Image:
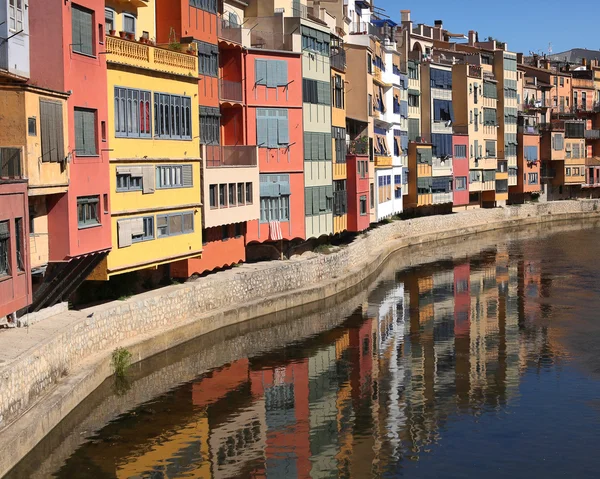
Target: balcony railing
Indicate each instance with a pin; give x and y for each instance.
(269, 40)
(529, 129)
(338, 59)
(229, 31)
(230, 91)
(358, 147)
(382, 161)
(475, 71)
(299, 10)
(362, 28)
(218, 156)
(592, 134)
(141, 55)
(536, 105)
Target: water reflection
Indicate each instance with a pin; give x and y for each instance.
(373, 397)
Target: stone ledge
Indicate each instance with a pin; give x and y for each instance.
(81, 346)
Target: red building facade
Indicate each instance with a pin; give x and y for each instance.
(460, 170)
(277, 164)
(358, 192)
(15, 270)
(67, 54)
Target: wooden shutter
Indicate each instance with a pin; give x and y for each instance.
(315, 200)
(307, 145)
(328, 153)
(272, 132)
(322, 198)
(261, 131)
(283, 135)
(52, 131)
(282, 72)
(321, 139)
(187, 175)
(271, 74)
(315, 146)
(308, 203)
(260, 72)
(89, 132)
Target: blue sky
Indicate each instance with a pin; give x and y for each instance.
(524, 25)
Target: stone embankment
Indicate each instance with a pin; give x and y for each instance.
(48, 368)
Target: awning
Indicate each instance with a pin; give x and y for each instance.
(414, 92)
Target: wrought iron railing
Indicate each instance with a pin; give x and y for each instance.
(229, 31)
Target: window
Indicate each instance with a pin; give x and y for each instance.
(413, 100)
(172, 116)
(87, 211)
(316, 92)
(212, 193)
(174, 176)
(384, 188)
(82, 29)
(562, 81)
(51, 122)
(533, 179)
(222, 196)
(19, 238)
(208, 59)
(372, 195)
(460, 151)
(132, 113)
(441, 79)
(442, 110)
(370, 104)
(109, 20)
(490, 149)
(274, 198)
(272, 130)
(4, 249)
(315, 40)
(210, 126)
(232, 199)
(474, 176)
(138, 229)
(175, 224)
(575, 99)
(249, 198)
(128, 23)
(338, 92)
(575, 172)
(240, 193)
(340, 198)
(105, 201)
(339, 135)
(127, 182)
(460, 183)
(424, 186)
(475, 92)
(10, 162)
(32, 126)
(489, 90)
(413, 72)
(558, 141)
(363, 205)
(206, 5)
(271, 73)
(489, 117)
(568, 171)
(85, 132)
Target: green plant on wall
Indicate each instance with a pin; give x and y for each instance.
(121, 360)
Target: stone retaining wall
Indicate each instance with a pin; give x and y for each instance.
(233, 296)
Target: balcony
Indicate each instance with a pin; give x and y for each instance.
(358, 147)
(592, 134)
(536, 105)
(362, 28)
(383, 161)
(502, 186)
(529, 129)
(217, 156)
(231, 91)
(442, 198)
(229, 32)
(270, 41)
(474, 71)
(441, 167)
(338, 59)
(502, 166)
(141, 55)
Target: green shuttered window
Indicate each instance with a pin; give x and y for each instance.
(82, 29)
(271, 73)
(51, 122)
(272, 128)
(85, 132)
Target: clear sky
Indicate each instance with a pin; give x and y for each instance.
(526, 25)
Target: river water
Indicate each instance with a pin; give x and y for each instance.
(477, 359)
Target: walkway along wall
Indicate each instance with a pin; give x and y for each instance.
(69, 348)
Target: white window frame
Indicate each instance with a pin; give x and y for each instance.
(15, 15)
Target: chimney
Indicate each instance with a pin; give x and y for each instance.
(472, 35)
(438, 31)
(584, 62)
(439, 23)
(520, 58)
(405, 15)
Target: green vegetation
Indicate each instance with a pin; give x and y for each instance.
(121, 360)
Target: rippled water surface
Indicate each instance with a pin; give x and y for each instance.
(485, 364)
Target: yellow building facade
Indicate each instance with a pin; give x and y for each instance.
(33, 138)
(155, 161)
(338, 123)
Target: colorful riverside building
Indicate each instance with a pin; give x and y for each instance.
(230, 158)
(67, 147)
(360, 49)
(390, 113)
(154, 159)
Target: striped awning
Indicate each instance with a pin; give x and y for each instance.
(275, 231)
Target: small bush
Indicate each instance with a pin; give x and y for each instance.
(121, 360)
